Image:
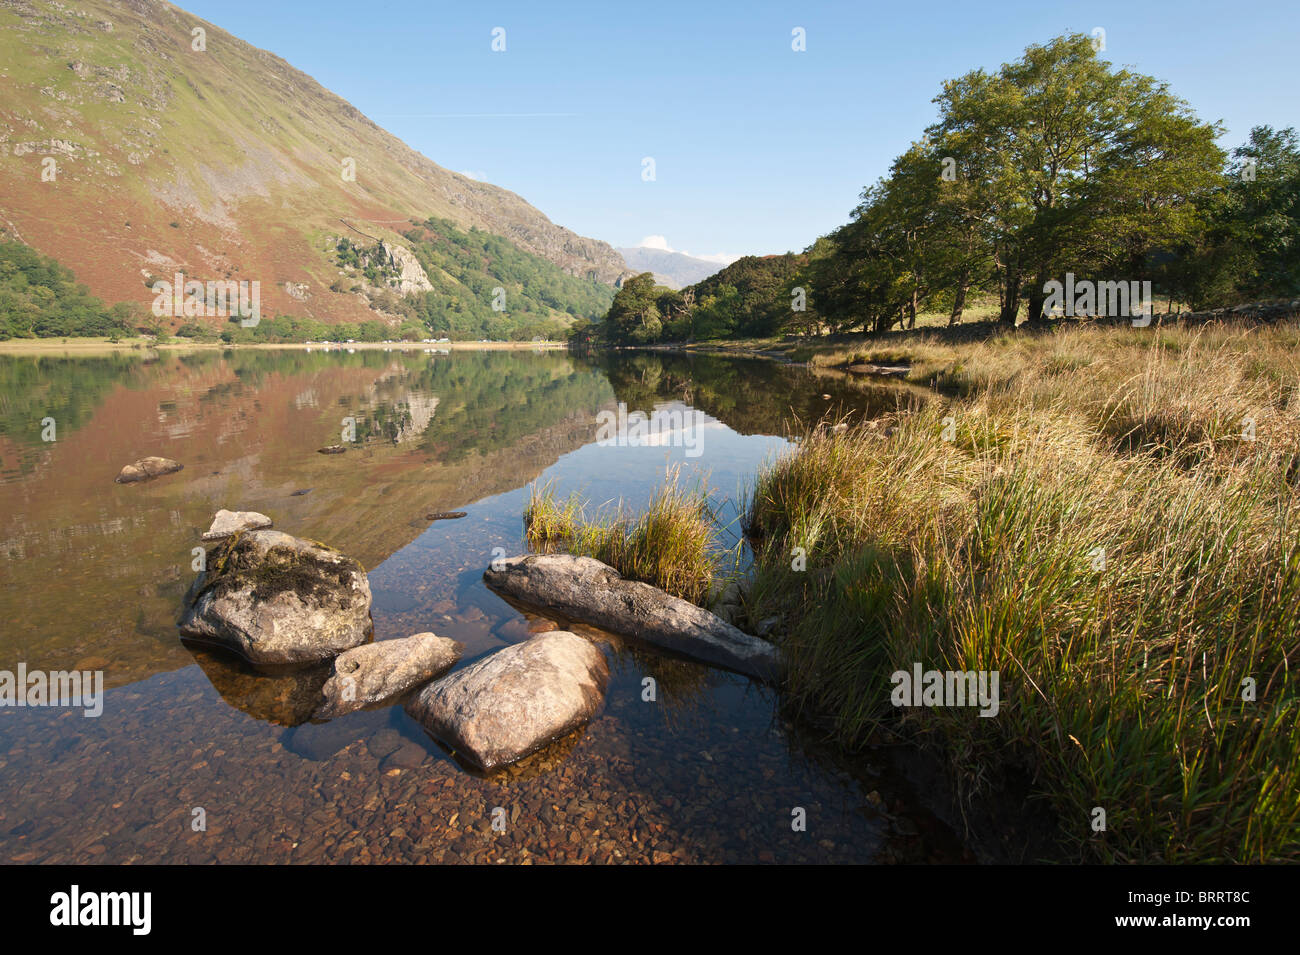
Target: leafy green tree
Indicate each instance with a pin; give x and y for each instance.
(1252, 247)
(41, 298)
(633, 316)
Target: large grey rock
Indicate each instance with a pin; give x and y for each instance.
(274, 599)
(232, 522)
(148, 468)
(411, 275)
(586, 590)
(515, 701)
(371, 674)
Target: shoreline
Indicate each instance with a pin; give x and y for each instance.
(86, 346)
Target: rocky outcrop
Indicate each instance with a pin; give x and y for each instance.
(378, 672)
(148, 468)
(512, 703)
(227, 523)
(586, 590)
(410, 275)
(275, 599)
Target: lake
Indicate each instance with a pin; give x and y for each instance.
(197, 758)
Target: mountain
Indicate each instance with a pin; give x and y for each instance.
(672, 269)
(221, 161)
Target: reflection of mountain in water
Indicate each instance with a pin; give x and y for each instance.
(92, 568)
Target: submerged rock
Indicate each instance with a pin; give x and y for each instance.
(380, 671)
(321, 741)
(887, 371)
(273, 598)
(148, 468)
(232, 522)
(584, 589)
(512, 703)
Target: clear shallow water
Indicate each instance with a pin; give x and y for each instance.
(92, 574)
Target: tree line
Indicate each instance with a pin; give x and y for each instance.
(1056, 163)
(40, 298)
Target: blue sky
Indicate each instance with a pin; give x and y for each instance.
(757, 148)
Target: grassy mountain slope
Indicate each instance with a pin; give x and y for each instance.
(222, 163)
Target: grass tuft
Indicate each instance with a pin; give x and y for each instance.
(671, 544)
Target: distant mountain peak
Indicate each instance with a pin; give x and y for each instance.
(678, 268)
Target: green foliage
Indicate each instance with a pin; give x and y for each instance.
(466, 267)
(752, 297)
(1251, 249)
(39, 298)
(634, 317)
(1055, 163)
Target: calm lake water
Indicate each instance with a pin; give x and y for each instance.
(198, 758)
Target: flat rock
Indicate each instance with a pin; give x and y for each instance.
(586, 590)
(275, 599)
(888, 371)
(515, 701)
(227, 523)
(377, 672)
(147, 469)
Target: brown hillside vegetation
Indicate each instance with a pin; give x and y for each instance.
(224, 162)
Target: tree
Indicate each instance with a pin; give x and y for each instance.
(1081, 166)
(634, 316)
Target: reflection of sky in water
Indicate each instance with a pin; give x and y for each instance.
(460, 436)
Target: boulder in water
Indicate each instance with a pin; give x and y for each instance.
(275, 599)
(371, 674)
(232, 522)
(146, 469)
(515, 701)
(584, 589)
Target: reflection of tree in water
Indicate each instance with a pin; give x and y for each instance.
(69, 390)
(749, 395)
(485, 401)
(387, 422)
(493, 400)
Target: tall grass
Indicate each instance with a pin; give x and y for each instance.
(670, 544)
(1088, 517)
